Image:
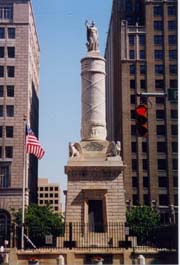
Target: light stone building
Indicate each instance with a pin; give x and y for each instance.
(19, 89)
(49, 194)
(141, 54)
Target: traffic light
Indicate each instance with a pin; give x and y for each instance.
(141, 120)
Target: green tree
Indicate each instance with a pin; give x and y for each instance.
(143, 222)
(39, 222)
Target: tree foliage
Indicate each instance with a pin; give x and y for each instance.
(143, 222)
(39, 222)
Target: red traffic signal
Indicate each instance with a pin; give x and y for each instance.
(141, 120)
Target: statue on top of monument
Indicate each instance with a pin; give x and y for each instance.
(92, 36)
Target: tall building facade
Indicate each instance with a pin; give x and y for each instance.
(49, 194)
(141, 54)
(19, 85)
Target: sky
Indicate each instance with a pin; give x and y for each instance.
(62, 36)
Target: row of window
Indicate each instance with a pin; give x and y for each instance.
(159, 83)
(48, 188)
(8, 71)
(160, 130)
(158, 54)
(46, 195)
(7, 111)
(8, 131)
(163, 199)
(160, 114)
(159, 69)
(161, 164)
(158, 10)
(7, 90)
(161, 147)
(10, 33)
(56, 208)
(158, 40)
(8, 52)
(6, 152)
(162, 182)
(6, 12)
(158, 25)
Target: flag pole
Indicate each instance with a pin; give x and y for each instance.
(24, 183)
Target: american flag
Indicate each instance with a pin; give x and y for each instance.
(32, 144)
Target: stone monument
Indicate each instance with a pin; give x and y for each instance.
(95, 190)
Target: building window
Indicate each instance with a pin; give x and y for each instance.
(142, 54)
(172, 39)
(133, 129)
(10, 91)
(163, 200)
(176, 199)
(41, 189)
(142, 40)
(1, 153)
(131, 39)
(142, 68)
(173, 69)
(144, 147)
(173, 83)
(160, 100)
(161, 147)
(5, 175)
(161, 130)
(46, 189)
(159, 84)
(41, 195)
(131, 54)
(160, 114)
(56, 188)
(158, 25)
(1, 131)
(174, 147)
(51, 195)
(158, 11)
(1, 111)
(175, 182)
(158, 40)
(1, 71)
(46, 195)
(145, 164)
(41, 202)
(1, 91)
(2, 33)
(51, 188)
(171, 10)
(175, 164)
(135, 199)
(56, 201)
(146, 199)
(172, 25)
(163, 182)
(162, 164)
(11, 52)
(134, 182)
(9, 152)
(143, 84)
(10, 71)
(174, 114)
(132, 68)
(172, 55)
(133, 99)
(11, 33)
(133, 115)
(159, 69)
(134, 164)
(132, 84)
(1, 52)
(56, 208)
(10, 111)
(133, 147)
(6, 12)
(145, 182)
(9, 131)
(174, 129)
(56, 195)
(158, 54)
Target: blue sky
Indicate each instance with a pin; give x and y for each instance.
(62, 36)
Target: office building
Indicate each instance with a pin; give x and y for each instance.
(141, 54)
(19, 85)
(49, 194)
